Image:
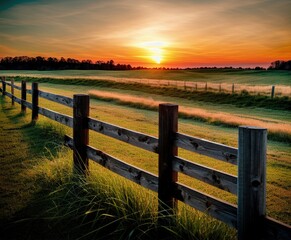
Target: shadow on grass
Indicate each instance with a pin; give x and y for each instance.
(28, 146)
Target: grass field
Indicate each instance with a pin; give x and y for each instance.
(251, 77)
(253, 81)
(41, 199)
(142, 120)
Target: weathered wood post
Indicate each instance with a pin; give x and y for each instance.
(273, 92)
(232, 89)
(12, 91)
(3, 86)
(23, 95)
(168, 126)
(34, 88)
(81, 133)
(206, 87)
(252, 148)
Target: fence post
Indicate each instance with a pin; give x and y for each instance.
(206, 87)
(168, 126)
(3, 86)
(34, 88)
(23, 95)
(252, 149)
(232, 89)
(81, 133)
(12, 91)
(273, 92)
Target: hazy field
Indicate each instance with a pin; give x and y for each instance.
(252, 81)
(279, 153)
(115, 108)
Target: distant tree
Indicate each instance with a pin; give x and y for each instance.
(280, 65)
(52, 63)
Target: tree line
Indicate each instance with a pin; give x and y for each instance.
(280, 65)
(52, 63)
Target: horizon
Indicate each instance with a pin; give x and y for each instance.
(152, 34)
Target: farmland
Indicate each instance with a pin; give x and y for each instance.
(117, 109)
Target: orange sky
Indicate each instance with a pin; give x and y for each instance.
(153, 33)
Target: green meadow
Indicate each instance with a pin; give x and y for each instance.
(37, 186)
(251, 77)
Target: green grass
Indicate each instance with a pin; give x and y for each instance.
(279, 154)
(54, 175)
(243, 100)
(201, 75)
(42, 199)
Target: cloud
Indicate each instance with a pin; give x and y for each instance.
(114, 28)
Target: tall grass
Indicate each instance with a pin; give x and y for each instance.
(243, 99)
(277, 131)
(50, 202)
(105, 206)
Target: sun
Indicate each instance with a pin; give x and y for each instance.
(154, 50)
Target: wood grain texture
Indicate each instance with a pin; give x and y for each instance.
(137, 175)
(211, 176)
(276, 230)
(251, 182)
(216, 208)
(27, 104)
(23, 95)
(58, 117)
(56, 98)
(34, 115)
(134, 138)
(81, 133)
(168, 126)
(207, 148)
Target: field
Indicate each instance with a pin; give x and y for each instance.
(136, 109)
(222, 80)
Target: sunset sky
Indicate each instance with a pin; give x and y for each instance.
(154, 33)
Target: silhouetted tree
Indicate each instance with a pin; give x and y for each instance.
(52, 63)
(280, 65)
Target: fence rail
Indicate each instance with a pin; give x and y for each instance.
(249, 217)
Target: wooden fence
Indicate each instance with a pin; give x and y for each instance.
(249, 217)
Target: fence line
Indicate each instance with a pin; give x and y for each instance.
(249, 217)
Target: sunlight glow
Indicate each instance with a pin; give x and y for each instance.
(155, 50)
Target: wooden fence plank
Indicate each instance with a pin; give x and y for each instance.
(17, 100)
(207, 148)
(137, 175)
(81, 133)
(168, 126)
(34, 115)
(214, 207)
(23, 95)
(8, 83)
(134, 138)
(27, 104)
(8, 95)
(12, 91)
(251, 182)
(214, 177)
(3, 86)
(275, 230)
(57, 98)
(17, 87)
(12, 84)
(58, 117)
